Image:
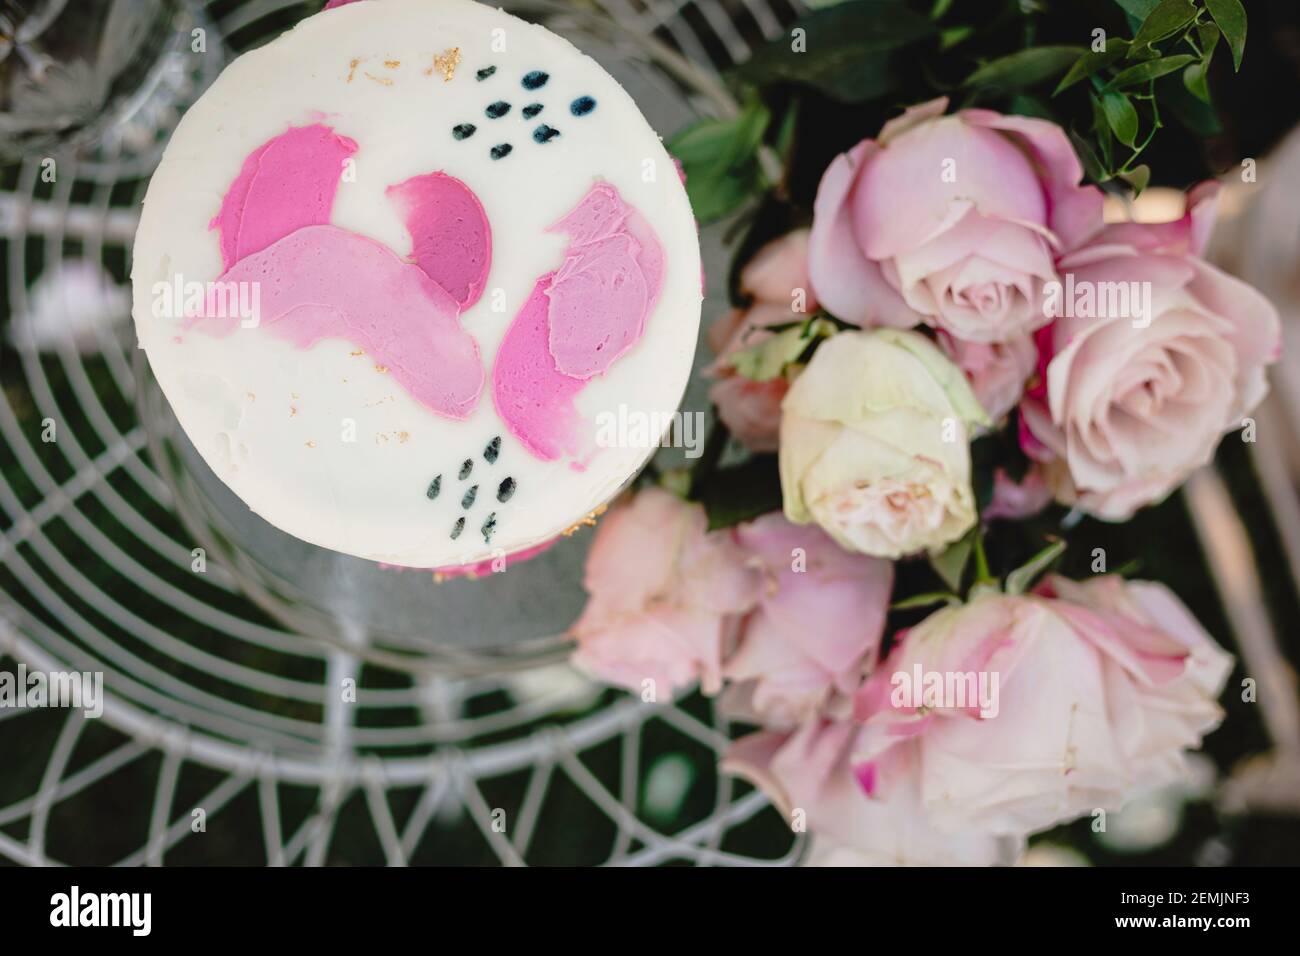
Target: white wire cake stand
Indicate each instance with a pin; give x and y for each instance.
(226, 736)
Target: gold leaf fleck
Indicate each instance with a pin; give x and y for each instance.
(446, 63)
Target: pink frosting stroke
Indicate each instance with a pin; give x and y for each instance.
(607, 286)
(450, 236)
(285, 184)
(317, 281)
(323, 282)
(577, 322)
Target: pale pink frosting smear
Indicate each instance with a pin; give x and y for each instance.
(450, 236)
(323, 282)
(607, 286)
(285, 184)
(577, 322)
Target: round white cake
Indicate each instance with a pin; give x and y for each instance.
(419, 282)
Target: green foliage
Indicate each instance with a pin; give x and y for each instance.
(741, 492)
(1025, 68)
(1171, 36)
(720, 159)
(844, 51)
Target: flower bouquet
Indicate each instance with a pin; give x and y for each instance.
(968, 346)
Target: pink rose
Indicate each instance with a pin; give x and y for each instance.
(1156, 354)
(858, 814)
(662, 588)
(817, 626)
(1047, 706)
(1014, 500)
(776, 280)
(951, 220)
(997, 371)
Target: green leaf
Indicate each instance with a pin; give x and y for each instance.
(1024, 68)
(1101, 130)
(1208, 36)
(1092, 164)
(1230, 17)
(843, 50)
(768, 359)
(1121, 117)
(1164, 21)
(741, 492)
(1090, 62)
(1137, 177)
(719, 159)
(1022, 578)
(1150, 70)
(950, 564)
(925, 600)
(784, 141)
(1194, 80)
(1138, 8)
(1194, 114)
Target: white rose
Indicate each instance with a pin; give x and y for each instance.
(875, 444)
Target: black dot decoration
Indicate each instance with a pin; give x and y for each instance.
(497, 110)
(535, 80)
(484, 73)
(544, 133)
(582, 106)
(501, 151)
(505, 491)
(531, 110)
(463, 131)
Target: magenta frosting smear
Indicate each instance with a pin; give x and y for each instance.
(450, 236)
(284, 184)
(317, 281)
(577, 322)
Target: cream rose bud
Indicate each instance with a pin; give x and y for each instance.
(875, 444)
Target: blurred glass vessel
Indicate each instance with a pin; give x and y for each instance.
(77, 74)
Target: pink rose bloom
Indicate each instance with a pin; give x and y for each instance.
(997, 371)
(662, 588)
(1163, 354)
(752, 410)
(817, 627)
(1052, 704)
(1014, 500)
(950, 220)
(858, 814)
